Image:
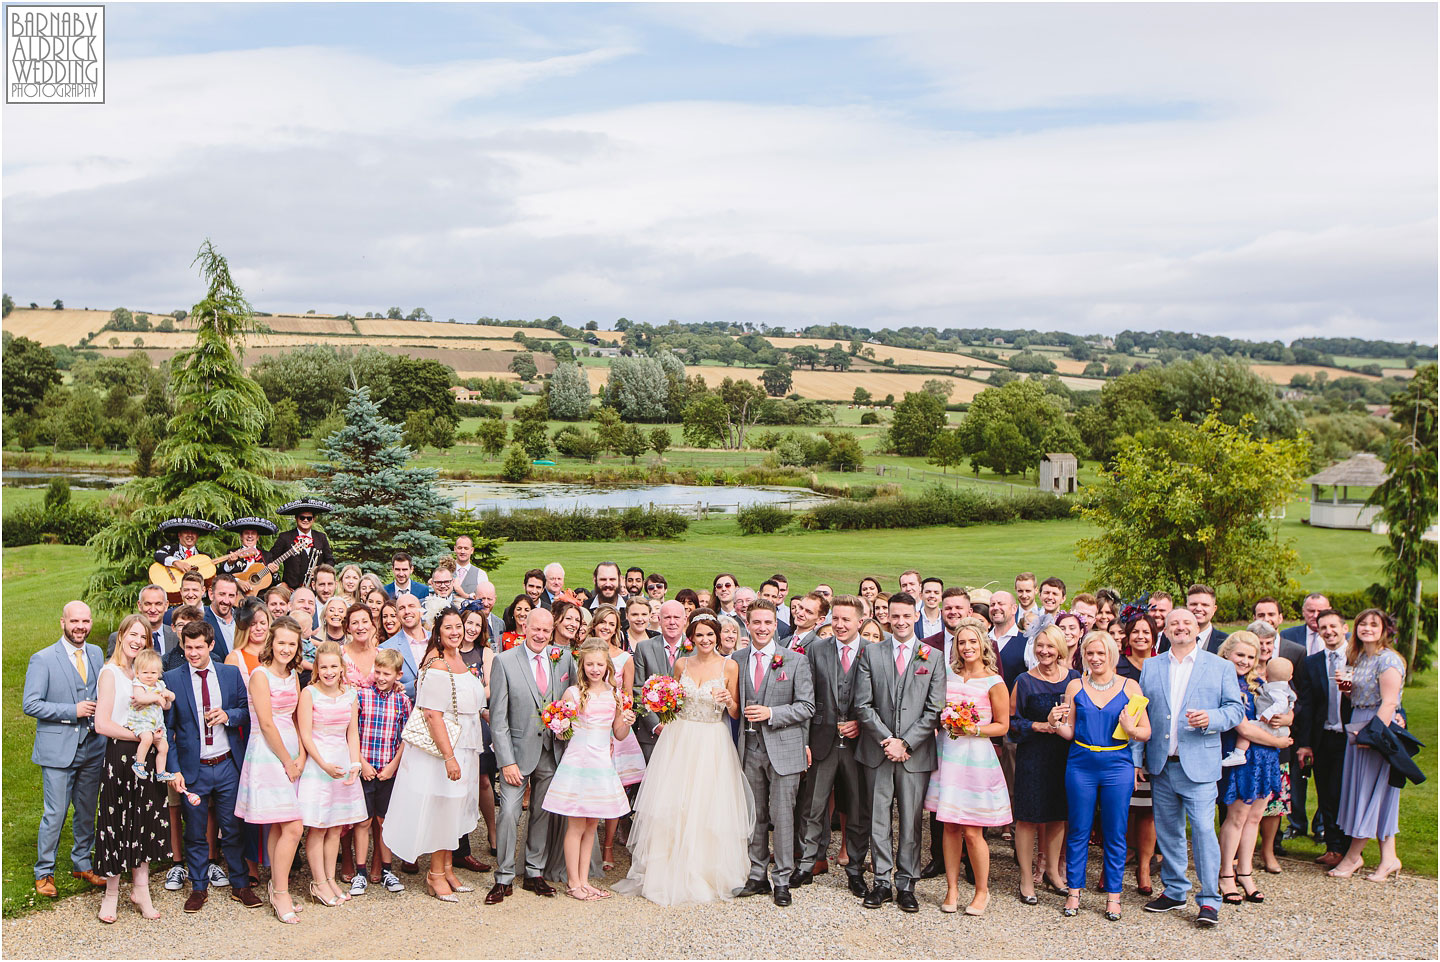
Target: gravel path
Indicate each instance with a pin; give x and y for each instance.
(1305, 915)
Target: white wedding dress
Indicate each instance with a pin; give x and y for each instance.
(694, 812)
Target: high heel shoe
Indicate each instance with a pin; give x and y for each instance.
(1337, 873)
(1383, 872)
(1112, 916)
(456, 887)
(1028, 899)
(1231, 898)
(344, 896)
(1049, 884)
(430, 887)
(1070, 911)
(289, 918)
(1251, 895)
(324, 900)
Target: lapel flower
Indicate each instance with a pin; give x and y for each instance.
(687, 648)
(923, 652)
(798, 649)
(777, 661)
(555, 654)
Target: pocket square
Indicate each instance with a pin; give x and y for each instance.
(565, 678)
(922, 671)
(784, 677)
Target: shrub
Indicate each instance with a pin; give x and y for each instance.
(939, 506)
(516, 466)
(475, 409)
(585, 524)
(65, 523)
(762, 519)
(869, 417)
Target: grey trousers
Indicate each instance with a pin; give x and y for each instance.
(774, 802)
(889, 784)
(536, 840)
(555, 870)
(836, 770)
(76, 786)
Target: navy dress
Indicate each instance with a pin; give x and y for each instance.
(1039, 756)
(1259, 777)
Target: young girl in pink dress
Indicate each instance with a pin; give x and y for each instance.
(586, 786)
(330, 793)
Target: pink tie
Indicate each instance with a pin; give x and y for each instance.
(900, 661)
(540, 676)
(844, 657)
(759, 670)
(670, 655)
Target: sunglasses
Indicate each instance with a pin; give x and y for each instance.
(307, 517)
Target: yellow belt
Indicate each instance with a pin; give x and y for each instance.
(1102, 748)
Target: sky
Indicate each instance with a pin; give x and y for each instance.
(1259, 171)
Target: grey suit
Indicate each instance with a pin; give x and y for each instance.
(169, 641)
(833, 764)
(650, 659)
(470, 582)
(520, 740)
(70, 755)
(802, 640)
(908, 708)
(773, 759)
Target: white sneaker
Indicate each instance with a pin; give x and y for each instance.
(359, 884)
(217, 876)
(391, 881)
(176, 878)
(1233, 759)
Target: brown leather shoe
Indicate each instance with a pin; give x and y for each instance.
(498, 893)
(1329, 859)
(196, 901)
(96, 880)
(821, 867)
(472, 864)
(45, 885)
(246, 896)
(537, 885)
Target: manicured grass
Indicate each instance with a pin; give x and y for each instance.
(13, 498)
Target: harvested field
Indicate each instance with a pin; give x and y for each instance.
(56, 327)
(428, 329)
(307, 324)
(1397, 372)
(900, 355)
(1282, 373)
(467, 362)
(1081, 383)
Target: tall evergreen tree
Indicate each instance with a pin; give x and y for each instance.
(381, 506)
(210, 463)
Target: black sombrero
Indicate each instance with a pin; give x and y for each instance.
(259, 524)
(305, 504)
(194, 524)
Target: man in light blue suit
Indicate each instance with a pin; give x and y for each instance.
(60, 694)
(1194, 696)
(410, 640)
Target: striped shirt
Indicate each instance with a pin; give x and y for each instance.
(382, 719)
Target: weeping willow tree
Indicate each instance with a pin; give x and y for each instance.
(211, 464)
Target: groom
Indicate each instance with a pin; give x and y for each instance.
(900, 692)
(522, 681)
(777, 698)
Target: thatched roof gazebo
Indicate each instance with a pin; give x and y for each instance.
(1350, 483)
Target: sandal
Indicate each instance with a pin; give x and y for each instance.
(1231, 898)
(598, 893)
(1070, 911)
(1251, 894)
(289, 918)
(607, 859)
(1112, 916)
(584, 895)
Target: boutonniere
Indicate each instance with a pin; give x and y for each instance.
(555, 654)
(798, 649)
(923, 653)
(777, 661)
(687, 648)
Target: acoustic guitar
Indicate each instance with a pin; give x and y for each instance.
(257, 576)
(169, 577)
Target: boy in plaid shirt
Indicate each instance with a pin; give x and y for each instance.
(383, 712)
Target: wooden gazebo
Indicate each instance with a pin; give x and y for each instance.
(1349, 483)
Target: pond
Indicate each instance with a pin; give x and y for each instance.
(499, 496)
(41, 479)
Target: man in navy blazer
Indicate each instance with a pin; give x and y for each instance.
(61, 697)
(207, 747)
(220, 616)
(1194, 696)
(1308, 634)
(1322, 712)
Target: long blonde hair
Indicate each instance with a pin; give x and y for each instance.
(329, 648)
(976, 627)
(582, 683)
(1252, 680)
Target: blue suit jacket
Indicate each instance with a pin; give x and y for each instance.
(52, 690)
(417, 589)
(1296, 633)
(1215, 688)
(221, 649)
(408, 670)
(182, 718)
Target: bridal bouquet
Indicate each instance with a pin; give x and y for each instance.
(661, 696)
(960, 718)
(559, 717)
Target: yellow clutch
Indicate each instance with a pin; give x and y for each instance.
(1136, 704)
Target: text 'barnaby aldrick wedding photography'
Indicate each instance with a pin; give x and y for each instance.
(54, 54)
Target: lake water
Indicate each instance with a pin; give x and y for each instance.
(41, 479)
(499, 496)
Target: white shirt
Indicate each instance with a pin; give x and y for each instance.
(1313, 642)
(417, 648)
(1003, 641)
(928, 627)
(1180, 669)
(227, 628)
(220, 741)
(1202, 640)
(841, 647)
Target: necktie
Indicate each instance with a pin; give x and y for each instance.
(759, 670)
(670, 655)
(1332, 717)
(900, 660)
(845, 658)
(155, 637)
(205, 703)
(79, 654)
(541, 676)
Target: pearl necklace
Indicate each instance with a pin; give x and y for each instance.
(1105, 687)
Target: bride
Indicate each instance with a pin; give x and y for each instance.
(694, 812)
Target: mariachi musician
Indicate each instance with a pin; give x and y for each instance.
(314, 546)
(187, 533)
(250, 529)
